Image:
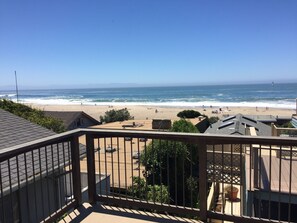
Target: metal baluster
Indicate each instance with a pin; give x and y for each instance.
(175, 172)
(65, 177)
(279, 184)
(1, 193)
(70, 169)
(146, 171)
(125, 161)
(99, 165)
(260, 180)
(112, 172)
(269, 203)
(105, 156)
(53, 178)
(10, 188)
(131, 158)
(27, 189)
(34, 185)
(119, 173)
(290, 185)
(41, 181)
(138, 160)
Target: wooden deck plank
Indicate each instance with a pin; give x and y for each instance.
(282, 181)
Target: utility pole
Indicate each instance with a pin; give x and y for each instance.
(16, 86)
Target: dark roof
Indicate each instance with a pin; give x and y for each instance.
(236, 125)
(263, 118)
(68, 117)
(15, 130)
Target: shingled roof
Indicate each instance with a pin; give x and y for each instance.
(15, 130)
(68, 117)
(236, 125)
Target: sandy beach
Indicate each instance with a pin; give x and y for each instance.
(141, 112)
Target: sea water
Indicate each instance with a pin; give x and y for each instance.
(256, 95)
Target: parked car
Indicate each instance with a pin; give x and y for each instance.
(110, 149)
(136, 155)
(128, 138)
(143, 139)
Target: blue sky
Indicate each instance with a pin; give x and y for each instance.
(54, 43)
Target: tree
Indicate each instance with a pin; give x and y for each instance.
(144, 191)
(183, 126)
(33, 115)
(116, 115)
(188, 114)
(174, 164)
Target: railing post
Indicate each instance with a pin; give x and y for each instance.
(202, 180)
(91, 168)
(76, 170)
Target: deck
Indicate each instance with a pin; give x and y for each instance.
(279, 169)
(274, 172)
(103, 213)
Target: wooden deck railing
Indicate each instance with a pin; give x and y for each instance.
(158, 171)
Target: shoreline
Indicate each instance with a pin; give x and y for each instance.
(141, 112)
(172, 104)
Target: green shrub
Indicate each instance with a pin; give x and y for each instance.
(213, 119)
(116, 115)
(33, 115)
(188, 114)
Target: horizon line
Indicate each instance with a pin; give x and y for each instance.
(135, 85)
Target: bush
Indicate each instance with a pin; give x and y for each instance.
(161, 154)
(33, 115)
(142, 190)
(213, 119)
(183, 126)
(188, 114)
(116, 115)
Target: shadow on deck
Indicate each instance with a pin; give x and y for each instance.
(105, 213)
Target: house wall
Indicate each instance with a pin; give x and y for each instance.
(102, 185)
(31, 203)
(81, 122)
(294, 121)
(161, 124)
(45, 196)
(202, 125)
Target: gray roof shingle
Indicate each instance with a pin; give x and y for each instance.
(235, 125)
(15, 131)
(68, 117)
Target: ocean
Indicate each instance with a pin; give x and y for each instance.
(255, 95)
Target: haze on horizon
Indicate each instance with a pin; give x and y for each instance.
(117, 43)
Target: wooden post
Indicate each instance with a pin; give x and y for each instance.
(202, 180)
(91, 169)
(76, 170)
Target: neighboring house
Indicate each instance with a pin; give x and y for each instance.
(23, 190)
(269, 119)
(238, 125)
(294, 121)
(201, 123)
(261, 192)
(73, 119)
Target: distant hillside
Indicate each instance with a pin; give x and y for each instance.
(33, 115)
